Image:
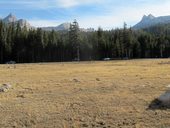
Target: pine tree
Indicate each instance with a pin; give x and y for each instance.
(127, 40)
(2, 41)
(74, 40)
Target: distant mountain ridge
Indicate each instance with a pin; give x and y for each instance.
(65, 27)
(11, 18)
(150, 20)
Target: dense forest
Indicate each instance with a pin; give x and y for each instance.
(35, 45)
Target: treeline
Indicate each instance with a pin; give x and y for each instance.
(36, 45)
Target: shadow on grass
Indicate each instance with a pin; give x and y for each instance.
(157, 105)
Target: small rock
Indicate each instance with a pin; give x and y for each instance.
(143, 85)
(15, 125)
(5, 87)
(97, 79)
(85, 125)
(101, 122)
(76, 80)
(82, 120)
(21, 96)
(165, 98)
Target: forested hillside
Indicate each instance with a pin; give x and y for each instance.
(35, 45)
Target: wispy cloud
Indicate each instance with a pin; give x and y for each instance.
(50, 4)
(72, 3)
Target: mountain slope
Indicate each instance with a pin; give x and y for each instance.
(150, 20)
(61, 27)
(65, 27)
(12, 19)
(160, 29)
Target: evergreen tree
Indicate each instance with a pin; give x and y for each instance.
(74, 40)
(2, 41)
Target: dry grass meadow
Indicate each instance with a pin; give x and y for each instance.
(113, 94)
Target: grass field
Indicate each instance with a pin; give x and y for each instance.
(87, 94)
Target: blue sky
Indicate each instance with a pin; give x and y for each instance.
(89, 13)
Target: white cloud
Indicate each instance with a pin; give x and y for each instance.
(67, 3)
(51, 3)
(72, 3)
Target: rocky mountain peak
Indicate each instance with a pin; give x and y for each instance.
(10, 18)
(149, 17)
(150, 20)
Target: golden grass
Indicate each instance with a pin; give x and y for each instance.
(85, 94)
